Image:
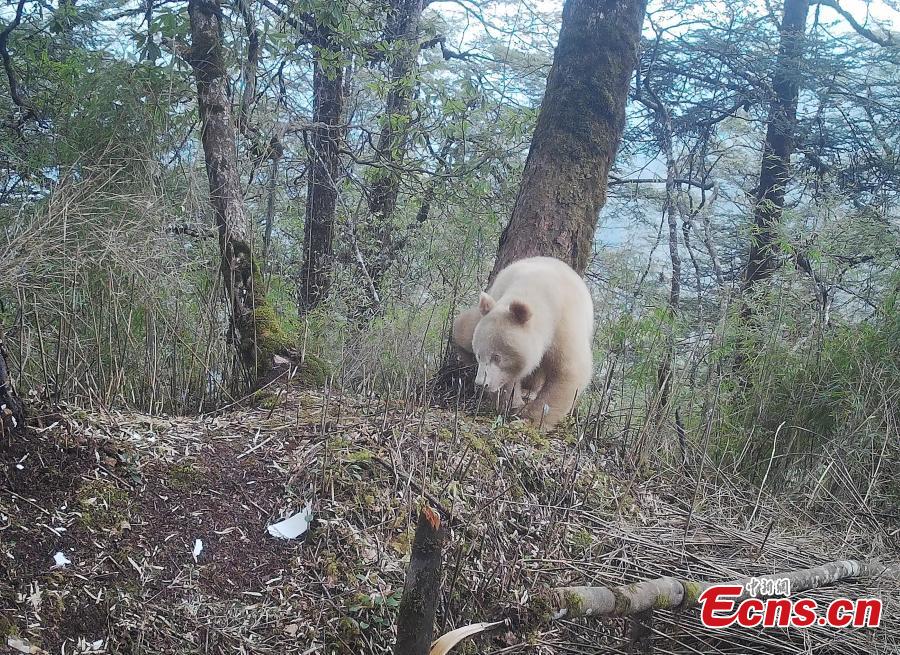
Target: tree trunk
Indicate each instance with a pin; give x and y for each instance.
(403, 33)
(578, 130)
(575, 140)
(12, 412)
(664, 136)
(254, 329)
(665, 370)
(775, 169)
(324, 166)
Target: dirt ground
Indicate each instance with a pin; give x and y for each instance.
(121, 500)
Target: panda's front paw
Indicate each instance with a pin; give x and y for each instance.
(535, 411)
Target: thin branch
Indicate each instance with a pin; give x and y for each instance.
(15, 92)
(616, 181)
(448, 53)
(885, 39)
(180, 48)
(303, 23)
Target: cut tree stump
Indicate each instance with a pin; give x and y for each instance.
(415, 620)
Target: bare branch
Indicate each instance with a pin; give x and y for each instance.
(180, 48)
(616, 181)
(885, 39)
(15, 92)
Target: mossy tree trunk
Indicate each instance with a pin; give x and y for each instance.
(779, 145)
(577, 134)
(578, 130)
(254, 330)
(324, 169)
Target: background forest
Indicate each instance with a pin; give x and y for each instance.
(370, 153)
(409, 129)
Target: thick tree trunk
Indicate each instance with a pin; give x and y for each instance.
(254, 329)
(575, 140)
(403, 33)
(577, 134)
(775, 169)
(324, 168)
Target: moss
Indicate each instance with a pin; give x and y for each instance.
(581, 539)
(623, 602)
(542, 606)
(103, 505)
(185, 475)
(338, 442)
(348, 628)
(524, 432)
(481, 446)
(56, 606)
(363, 455)
(566, 431)
(7, 628)
(574, 603)
(692, 592)
(313, 373)
(402, 543)
(264, 398)
(271, 338)
(330, 565)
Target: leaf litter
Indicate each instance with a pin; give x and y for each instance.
(171, 518)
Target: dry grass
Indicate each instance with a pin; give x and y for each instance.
(108, 305)
(125, 496)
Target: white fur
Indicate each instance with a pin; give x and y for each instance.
(534, 335)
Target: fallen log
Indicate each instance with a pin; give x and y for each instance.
(638, 600)
(671, 593)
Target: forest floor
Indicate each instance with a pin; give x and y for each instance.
(101, 513)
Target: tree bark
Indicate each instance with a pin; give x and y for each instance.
(254, 330)
(577, 134)
(324, 166)
(12, 411)
(578, 130)
(402, 32)
(779, 145)
(664, 135)
(415, 620)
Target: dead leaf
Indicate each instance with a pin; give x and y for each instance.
(445, 644)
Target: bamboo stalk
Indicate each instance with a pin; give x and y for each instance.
(415, 620)
(671, 593)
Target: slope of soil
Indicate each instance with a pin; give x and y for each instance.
(125, 497)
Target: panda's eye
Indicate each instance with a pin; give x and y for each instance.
(495, 358)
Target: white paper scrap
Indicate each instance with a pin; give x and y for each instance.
(293, 526)
(61, 560)
(198, 548)
(22, 646)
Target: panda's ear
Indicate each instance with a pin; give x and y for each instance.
(520, 312)
(485, 303)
